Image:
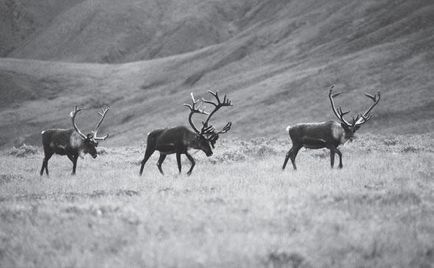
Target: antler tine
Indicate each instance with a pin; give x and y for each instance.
(194, 110)
(217, 105)
(338, 112)
(372, 97)
(226, 128)
(102, 113)
(341, 112)
(366, 116)
(73, 114)
(207, 130)
(354, 121)
(192, 106)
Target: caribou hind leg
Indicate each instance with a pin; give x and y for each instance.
(43, 167)
(148, 154)
(292, 154)
(288, 154)
(193, 163)
(45, 163)
(160, 162)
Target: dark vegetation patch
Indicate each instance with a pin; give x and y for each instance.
(70, 196)
(381, 199)
(286, 260)
(390, 142)
(410, 149)
(6, 178)
(102, 151)
(23, 151)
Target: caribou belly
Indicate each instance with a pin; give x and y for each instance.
(166, 148)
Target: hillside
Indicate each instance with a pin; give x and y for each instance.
(119, 31)
(22, 20)
(275, 59)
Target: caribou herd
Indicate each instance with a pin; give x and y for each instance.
(178, 140)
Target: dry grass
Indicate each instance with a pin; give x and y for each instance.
(238, 209)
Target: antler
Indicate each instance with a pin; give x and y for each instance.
(194, 110)
(338, 112)
(73, 114)
(225, 129)
(366, 116)
(103, 112)
(219, 104)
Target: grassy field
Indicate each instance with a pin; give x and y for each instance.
(238, 209)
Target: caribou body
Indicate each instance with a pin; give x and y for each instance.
(330, 134)
(70, 142)
(179, 140)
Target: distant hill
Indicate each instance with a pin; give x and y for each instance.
(276, 60)
(120, 31)
(21, 21)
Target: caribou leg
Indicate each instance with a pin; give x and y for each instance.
(332, 156)
(286, 158)
(292, 153)
(192, 163)
(148, 154)
(178, 160)
(73, 159)
(340, 157)
(45, 163)
(43, 167)
(160, 162)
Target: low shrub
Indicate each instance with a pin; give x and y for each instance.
(23, 151)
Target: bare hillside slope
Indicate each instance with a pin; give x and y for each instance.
(276, 60)
(119, 31)
(22, 20)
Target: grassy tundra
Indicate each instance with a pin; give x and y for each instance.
(237, 209)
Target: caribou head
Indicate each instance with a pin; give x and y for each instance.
(208, 135)
(356, 122)
(89, 141)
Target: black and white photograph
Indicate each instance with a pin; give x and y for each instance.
(216, 133)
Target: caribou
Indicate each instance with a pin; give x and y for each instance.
(71, 142)
(328, 134)
(178, 140)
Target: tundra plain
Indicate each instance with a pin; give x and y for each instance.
(237, 209)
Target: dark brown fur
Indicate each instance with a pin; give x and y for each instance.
(66, 142)
(177, 140)
(328, 135)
